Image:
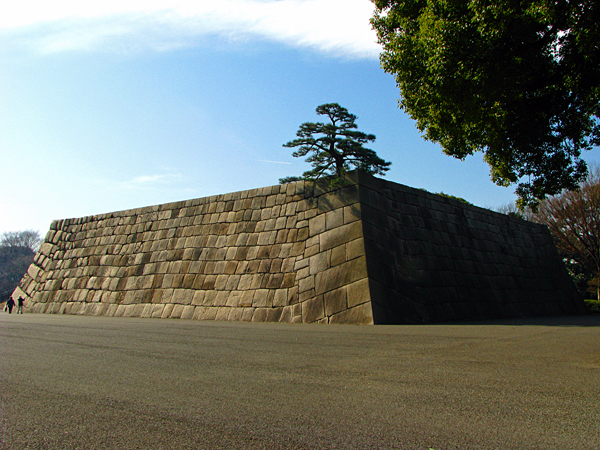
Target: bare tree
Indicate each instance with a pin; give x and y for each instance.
(17, 250)
(510, 209)
(574, 221)
(27, 238)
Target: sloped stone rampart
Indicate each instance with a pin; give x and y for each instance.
(287, 253)
(371, 251)
(432, 259)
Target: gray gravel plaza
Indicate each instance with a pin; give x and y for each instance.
(84, 382)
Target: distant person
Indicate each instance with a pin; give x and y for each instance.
(10, 304)
(20, 305)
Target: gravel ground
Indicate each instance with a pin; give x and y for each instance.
(78, 382)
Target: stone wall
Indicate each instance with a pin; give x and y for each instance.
(289, 253)
(432, 259)
(369, 252)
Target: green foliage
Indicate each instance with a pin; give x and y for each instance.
(454, 197)
(289, 179)
(517, 80)
(335, 147)
(593, 305)
(443, 194)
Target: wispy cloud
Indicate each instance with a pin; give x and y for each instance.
(336, 27)
(150, 181)
(273, 162)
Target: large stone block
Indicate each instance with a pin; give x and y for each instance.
(340, 235)
(335, 301)
(313, 310)
(341, 275)
(358, 315)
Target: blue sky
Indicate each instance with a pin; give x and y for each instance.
(133, 103)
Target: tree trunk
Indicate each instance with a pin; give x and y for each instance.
(339, 160)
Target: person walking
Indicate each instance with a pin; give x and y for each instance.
(20, 305)
(10, 304)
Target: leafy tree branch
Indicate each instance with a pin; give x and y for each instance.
(518, 81)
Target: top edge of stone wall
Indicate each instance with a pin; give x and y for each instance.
(309, 189)
(314, 189)
(427, 199)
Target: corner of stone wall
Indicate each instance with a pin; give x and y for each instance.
(332, 276)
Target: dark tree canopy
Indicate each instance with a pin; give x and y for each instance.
(14, 262)
(17, 249)
(335, 147)
(517, 80)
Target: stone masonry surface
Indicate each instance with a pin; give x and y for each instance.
(288, 253)
(368, 252)
(434, 259)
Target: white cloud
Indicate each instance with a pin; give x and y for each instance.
(273, 162)
(150, 181)
(336, 27)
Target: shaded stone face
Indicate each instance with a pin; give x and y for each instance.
(368, 252)
(433, 259)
